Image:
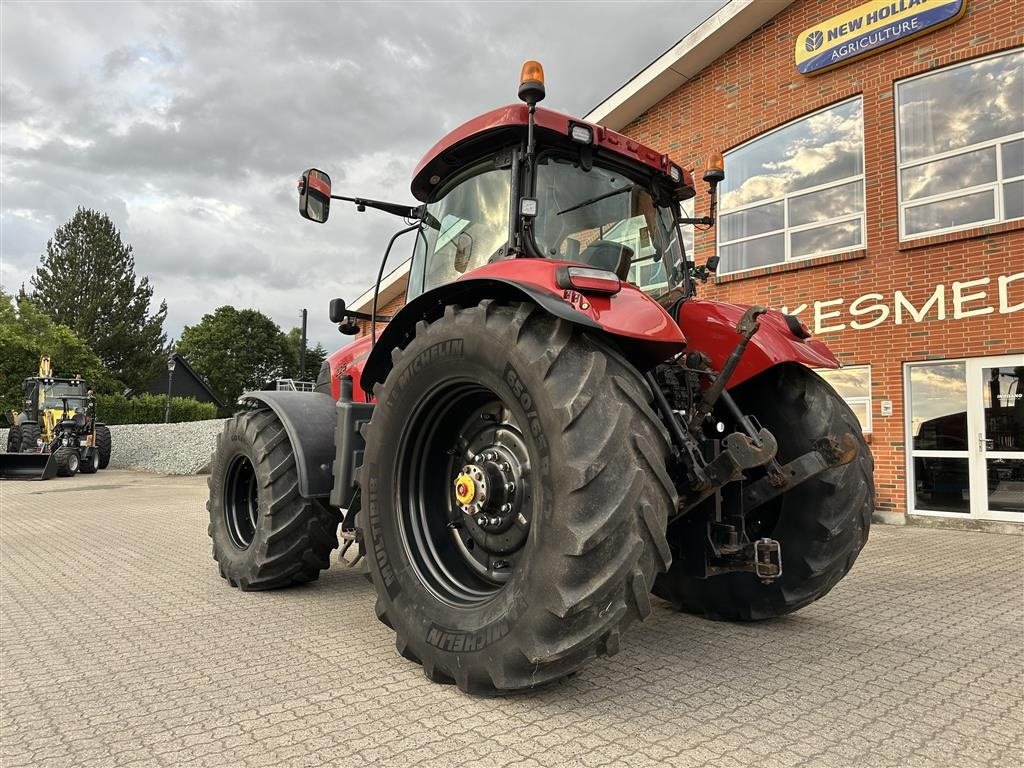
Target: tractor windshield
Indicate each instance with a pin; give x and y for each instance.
(602, 217)
(73, 391)
(464, 228)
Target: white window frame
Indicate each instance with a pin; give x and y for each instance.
(860, 399)
(997, 186)
(786, 230)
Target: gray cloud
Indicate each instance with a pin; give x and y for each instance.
(189, 123)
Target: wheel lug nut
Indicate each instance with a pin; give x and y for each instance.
(506, 508)
(494, 521)
(510, 487)
(481, 521)
(505, 466)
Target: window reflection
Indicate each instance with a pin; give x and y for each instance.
(960, 106)
(959, 128)
(810, 170)
(938, 403)
(1003, 397)
(466, 227)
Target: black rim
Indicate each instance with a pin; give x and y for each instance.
(241, 502)
(464, 493)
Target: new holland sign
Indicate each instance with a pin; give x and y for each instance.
(870, 28)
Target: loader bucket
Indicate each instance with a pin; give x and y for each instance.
(27, 466)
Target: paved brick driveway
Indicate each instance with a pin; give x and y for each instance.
(122, 646)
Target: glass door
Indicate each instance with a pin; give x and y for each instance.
(998, 471)
(966, 438)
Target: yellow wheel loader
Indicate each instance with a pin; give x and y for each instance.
(56, 433)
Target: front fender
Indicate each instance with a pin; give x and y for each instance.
(710, 327)
(643, 330)
(309, 420)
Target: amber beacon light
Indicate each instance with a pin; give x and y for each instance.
(531, 83)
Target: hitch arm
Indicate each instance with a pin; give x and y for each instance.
(828, 453)
(746, 327)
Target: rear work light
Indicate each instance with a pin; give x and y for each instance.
(581, 133)
(587, 280)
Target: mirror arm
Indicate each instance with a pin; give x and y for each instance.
(707, 221)
(396, 209)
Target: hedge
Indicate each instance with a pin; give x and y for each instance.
(150, 409)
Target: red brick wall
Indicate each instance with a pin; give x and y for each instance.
(755, 87)
(387, 310)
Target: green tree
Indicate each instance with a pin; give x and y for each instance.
(315, 356)
(87, 282)
(236, 350)
(26, 334)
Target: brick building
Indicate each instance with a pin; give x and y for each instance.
(874, 186)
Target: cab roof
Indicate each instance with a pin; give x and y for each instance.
(491, 130)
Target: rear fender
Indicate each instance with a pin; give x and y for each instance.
(710, 327)
(309, 419)
(642, 329)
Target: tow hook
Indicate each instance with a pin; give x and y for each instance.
(767, 560)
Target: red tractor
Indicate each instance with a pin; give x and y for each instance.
(553, 427)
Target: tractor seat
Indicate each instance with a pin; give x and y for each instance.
(608, 255)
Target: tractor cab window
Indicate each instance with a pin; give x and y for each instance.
(607, 220)
(465, 228)
(56, 393)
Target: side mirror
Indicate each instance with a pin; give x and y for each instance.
(712, 263)
(315, 195)
(349, 328)
(337, 310)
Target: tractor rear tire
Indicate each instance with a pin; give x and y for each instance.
(91, 463)
(29, 436)
(821, 525)
(14, 439)
(265, 535)
(68, 461)
(545, 561)
(103, 444)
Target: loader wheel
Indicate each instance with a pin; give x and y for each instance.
(514, 498)
(68, 462)
(29, 436)
(821, 525)
(103, 443)
(264, 534)
(90, 463)
(14, 439)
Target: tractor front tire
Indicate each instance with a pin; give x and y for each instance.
(14, 439)
(821, 524)
(103, 444)
(68, 461)
(265, 535)
(514, 498)
(29, 436)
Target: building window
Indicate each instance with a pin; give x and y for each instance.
(960, 146)
(796, 192)
(853, 384)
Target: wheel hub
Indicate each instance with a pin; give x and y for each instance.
(486, 489)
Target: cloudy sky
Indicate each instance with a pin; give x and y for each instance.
(189, 123)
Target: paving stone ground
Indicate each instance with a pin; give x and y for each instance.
(121, 646)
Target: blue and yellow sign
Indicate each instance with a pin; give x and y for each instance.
(870, 28)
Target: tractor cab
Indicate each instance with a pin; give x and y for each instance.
(521, 181)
